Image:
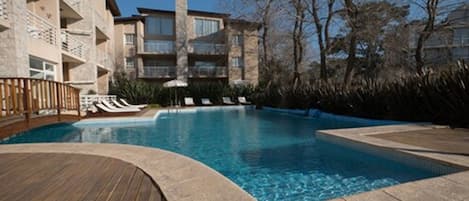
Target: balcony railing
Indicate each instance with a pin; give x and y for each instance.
(159, 72)
(72, 45)
(3, 10)
(39, 28)
(159, 47)
(208, 72)
(207, 48)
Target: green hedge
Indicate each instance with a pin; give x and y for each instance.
(138, 92)
(439, 98)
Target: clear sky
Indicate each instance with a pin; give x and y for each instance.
(128, 7)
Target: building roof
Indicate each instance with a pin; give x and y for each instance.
(113, 7)
(190, 12)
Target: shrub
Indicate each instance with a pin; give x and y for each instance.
(441, 98)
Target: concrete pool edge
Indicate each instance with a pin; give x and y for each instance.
(178, 176)
(446, 187)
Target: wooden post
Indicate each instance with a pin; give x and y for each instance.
(59, 101)
(77, 94)
(26, 101)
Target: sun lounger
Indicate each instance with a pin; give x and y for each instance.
(104, 108)
(188, 101)
(112, 107)
(206, 101)
(120, 106)
(243, 101)
(227, 101)
(129, 105)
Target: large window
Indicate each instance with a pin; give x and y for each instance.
(129, 63)
(461, 53)
(237, 62)
(129, 39)
(159, 26)
(238, 40)
(205, 64)
(40, 69)
(205, 27)
(461, 36)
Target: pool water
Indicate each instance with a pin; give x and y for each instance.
(273, 156)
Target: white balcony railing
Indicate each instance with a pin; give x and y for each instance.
(72, 45)
(87, 101)
(39, 28)
(207, 48)
(3, 10)
(208, 72)
(159, 72)
(159, 46)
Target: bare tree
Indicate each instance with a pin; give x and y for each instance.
(322, 32)
(430, 7)
(298, 36)
(351, 19)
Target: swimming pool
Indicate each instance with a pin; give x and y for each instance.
(273, 156)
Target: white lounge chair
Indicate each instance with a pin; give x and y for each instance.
(206, 101)
(227, 101)
(120, 106)
(129, 105)
(243, 101)
(188, 101)
(102, 107)
(112, 107)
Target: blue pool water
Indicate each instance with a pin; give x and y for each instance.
(272, 156)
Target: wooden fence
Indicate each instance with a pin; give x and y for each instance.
(26, 98)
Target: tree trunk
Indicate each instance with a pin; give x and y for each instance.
(431, 10)
(352, 13)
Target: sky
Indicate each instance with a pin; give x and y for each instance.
(128, 7)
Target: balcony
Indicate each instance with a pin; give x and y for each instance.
(71, 9)
(159, 72)
(73, 47)
(104, 59)
(102, 26)
(208, 72)
(41, 29)
(3, 14)
(159, 47)
(207, 49)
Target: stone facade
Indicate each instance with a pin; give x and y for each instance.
(179, 56)
(76, 37)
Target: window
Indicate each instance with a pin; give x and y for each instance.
(461, 53)
(461, 36)
(159, 26)
(40, 69)
(129, 63)
(129, 39)
(204, 27)
(238, 40)
(237, 62)
(205, 64)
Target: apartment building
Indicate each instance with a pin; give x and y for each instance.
(69, 41)
(449, 44)
(195, 46)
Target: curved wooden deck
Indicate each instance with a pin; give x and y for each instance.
(57, 176)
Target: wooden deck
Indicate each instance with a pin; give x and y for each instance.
(53, 176)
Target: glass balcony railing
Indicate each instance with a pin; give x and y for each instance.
(208, 71)
(159, 47)
(159, 72)
(207, 48)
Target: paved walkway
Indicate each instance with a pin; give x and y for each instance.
(426, 146)
(54, 176)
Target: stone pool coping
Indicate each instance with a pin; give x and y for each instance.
(179, 177)
(447, 187)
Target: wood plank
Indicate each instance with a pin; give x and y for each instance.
(112, 184)
(133, 189)
(121, 187)
(145, 189)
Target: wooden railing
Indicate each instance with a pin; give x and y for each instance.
(25, 97)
